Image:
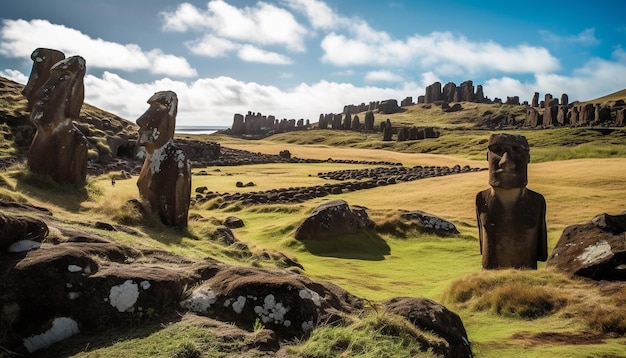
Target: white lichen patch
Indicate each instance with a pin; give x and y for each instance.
(62, 328)
(307, 326)
(73, 295)
(74, 268)
(145, 285)
(271, 311)
(200, 300)
(23, 245)
(597, 253)
(307, 294)
(181, 159)
(124, 296)
(238, 304)
(157, 158)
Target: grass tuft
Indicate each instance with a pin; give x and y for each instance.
(376, 335)
(510, 293)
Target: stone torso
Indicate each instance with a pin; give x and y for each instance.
(165, 182)
(60, 153)
(512, 230)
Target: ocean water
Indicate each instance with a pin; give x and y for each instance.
(199, 129)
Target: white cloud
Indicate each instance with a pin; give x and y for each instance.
(438, 49)
(585, 38)
(250, 53)
(263, 24)
(19, 38)
(15, 76)
(383, 76)
(318, 13)
(214, 101)
(212, 46)
(170, 65)
(598, 77)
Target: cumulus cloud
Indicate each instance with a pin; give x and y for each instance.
(437, 49)
(251, 53)
(18, 39)
(598, 77)
(212, 46)
(263, 24)
(14, 75)
(318, 13)
(214, 101)
(383, 76)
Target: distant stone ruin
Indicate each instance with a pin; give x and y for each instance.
(451, 93)
(551, 113)
(257, 124)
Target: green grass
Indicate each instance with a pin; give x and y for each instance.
(376, 335)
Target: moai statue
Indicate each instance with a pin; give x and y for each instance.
(165, 178)
(511, 218)
(43, 60)
(59, 149)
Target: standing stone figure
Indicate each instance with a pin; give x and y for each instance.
(43, 60)
(511, 218)
(59, 149)
(165, 178)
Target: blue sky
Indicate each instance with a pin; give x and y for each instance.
(299, 58)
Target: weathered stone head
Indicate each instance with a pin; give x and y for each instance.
(511, 218)
(59, 100)
(157, 124)
(59, 149)
(508, 156)
(165, 178)
(43, 60)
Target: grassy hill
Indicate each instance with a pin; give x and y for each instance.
(580, 172)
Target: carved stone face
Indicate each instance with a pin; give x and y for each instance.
(43, 60)
(157, 124)
(508, 158)
(62, 96)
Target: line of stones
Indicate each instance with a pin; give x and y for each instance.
(349, 180)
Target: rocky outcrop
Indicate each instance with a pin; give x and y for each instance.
(86, 282)
(595, 249)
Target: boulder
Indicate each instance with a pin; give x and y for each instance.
(21, 232)
(430, 316)
(595, 249)
(233, 222)
(331, 219)
(430, 222)
(287, 303)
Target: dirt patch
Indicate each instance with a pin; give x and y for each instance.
(561, 338)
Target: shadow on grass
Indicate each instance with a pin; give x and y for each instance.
(44, 188)
(107, 336)
(365, 245)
